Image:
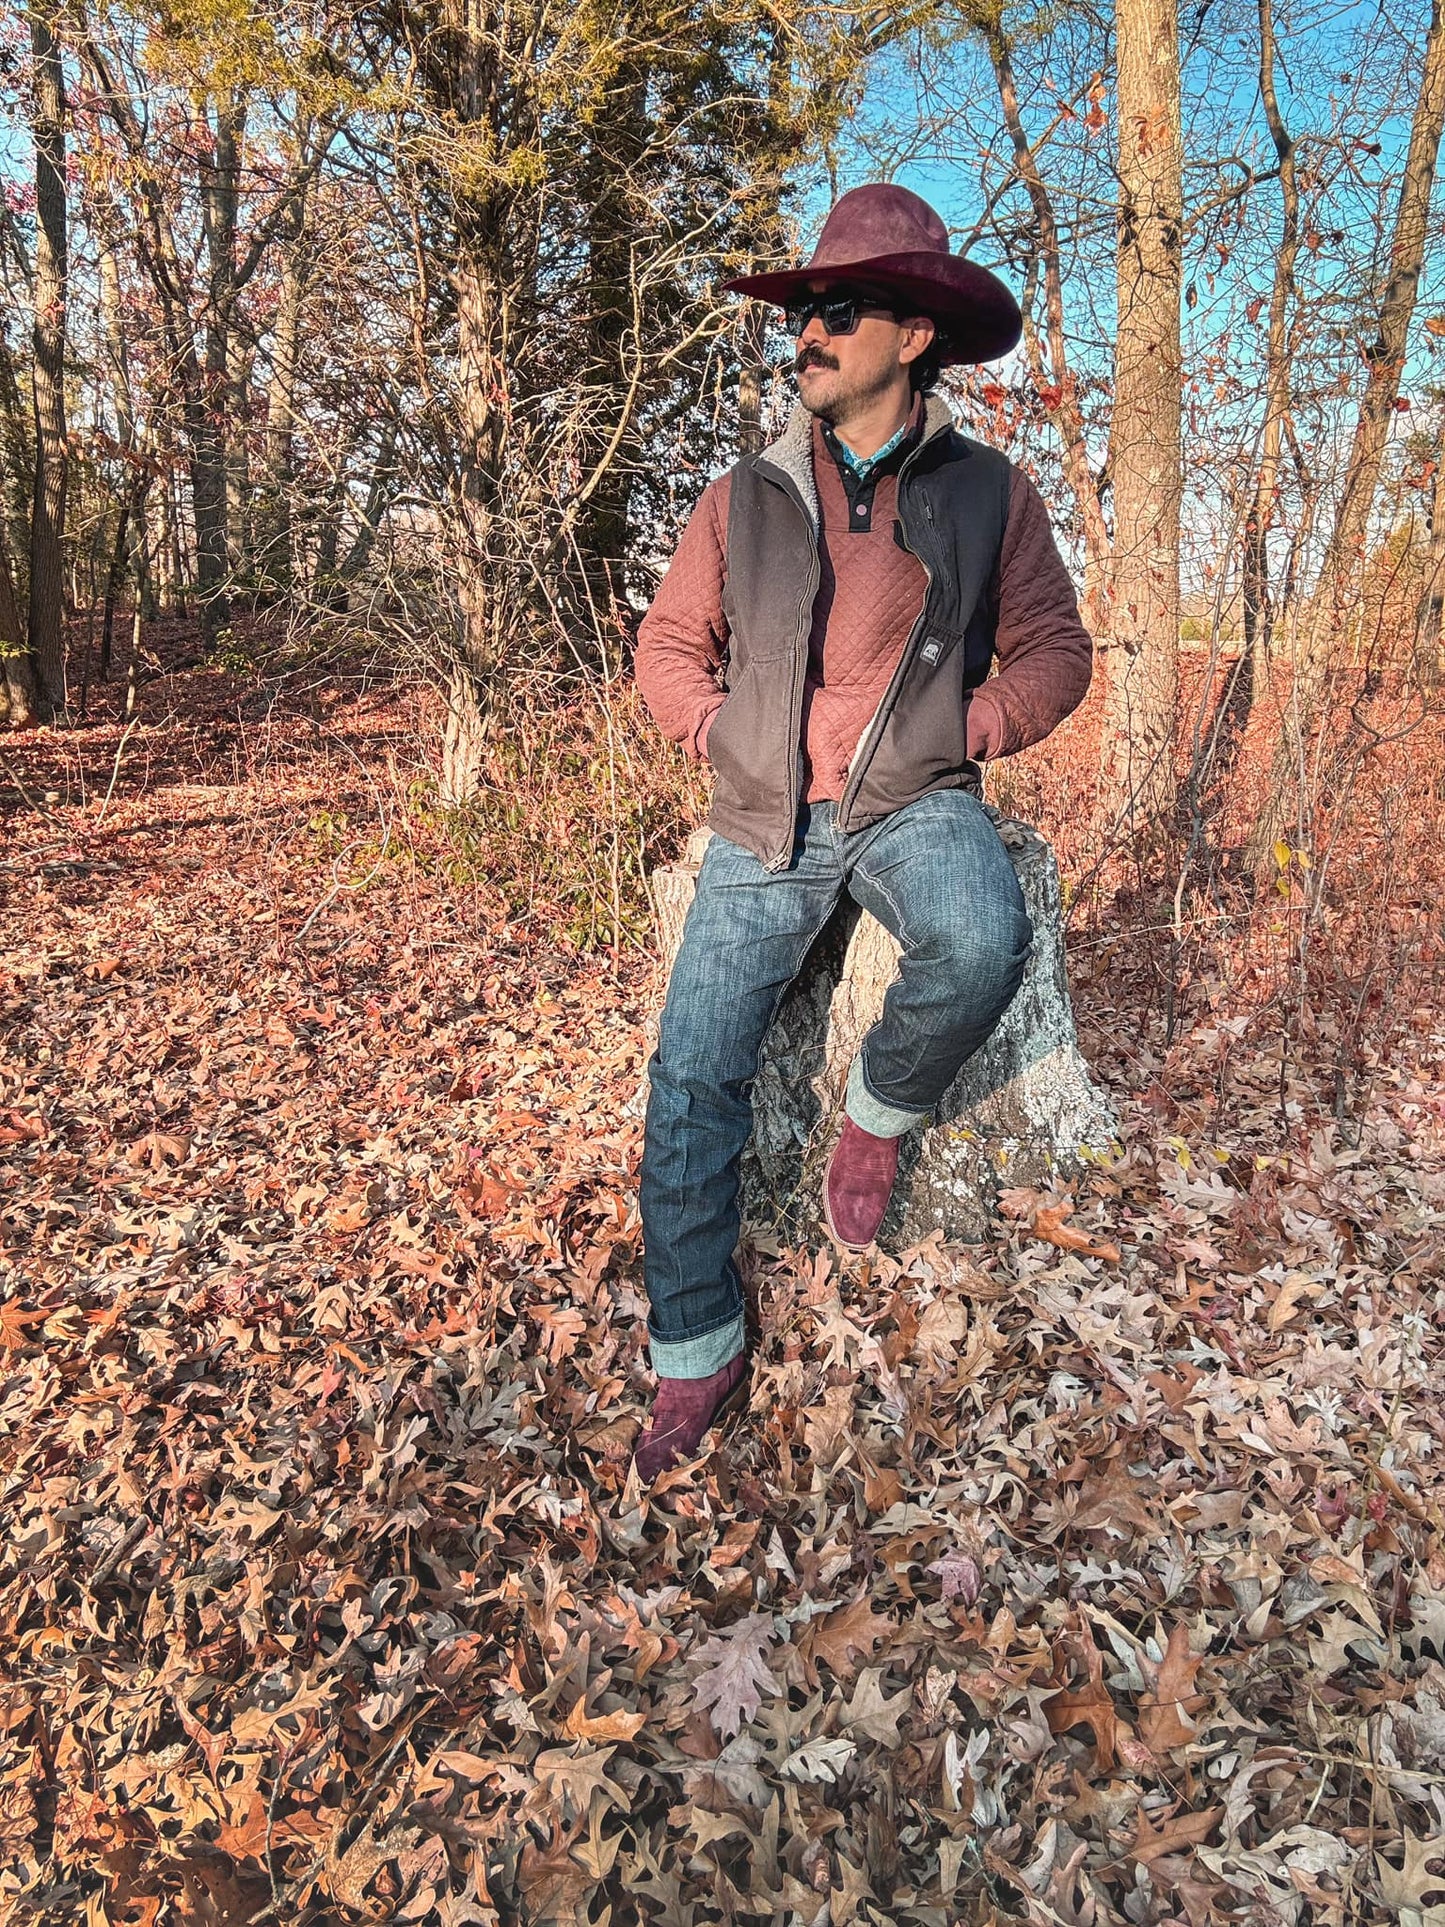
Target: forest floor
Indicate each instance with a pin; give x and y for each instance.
(1039, 1583)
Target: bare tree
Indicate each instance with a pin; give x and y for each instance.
(1145, 441)
(1054, 376)
(46, 625)
(129, 542)
(1432, 595)
(275, 532)
(556, 325)
(1337, 593)
(17, 682)
(200, 355)
(1258, 609)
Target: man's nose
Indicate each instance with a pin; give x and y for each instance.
(815, 331)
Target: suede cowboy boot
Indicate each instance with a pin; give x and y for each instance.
(682, 1411)
(858, 1185)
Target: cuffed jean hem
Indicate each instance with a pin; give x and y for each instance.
(698, 1357)
(870, 1113)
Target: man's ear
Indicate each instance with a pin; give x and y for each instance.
(918, 333)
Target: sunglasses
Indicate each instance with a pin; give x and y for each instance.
(839, 313)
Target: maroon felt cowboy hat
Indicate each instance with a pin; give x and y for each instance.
(892, 239)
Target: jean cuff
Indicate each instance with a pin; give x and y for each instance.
(870, 1113)
(698, 1357)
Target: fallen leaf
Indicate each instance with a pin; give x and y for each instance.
(1048, 1224)
(1184, 1830)
(735, 1673)
(1165, 1708)
(844, 1637)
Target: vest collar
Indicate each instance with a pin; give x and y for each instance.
(792, 453)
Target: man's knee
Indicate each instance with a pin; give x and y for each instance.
(978, 952)
(706, 1061)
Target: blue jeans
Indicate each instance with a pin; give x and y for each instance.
(937, 876)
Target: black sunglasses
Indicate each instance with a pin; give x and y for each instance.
(840, 313)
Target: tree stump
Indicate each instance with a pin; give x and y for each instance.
(1023, 1110)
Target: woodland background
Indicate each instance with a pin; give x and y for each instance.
(359, 366)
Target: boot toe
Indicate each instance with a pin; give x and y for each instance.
(683, 1412)
(858, 1185)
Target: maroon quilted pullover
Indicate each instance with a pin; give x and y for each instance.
(870, 592)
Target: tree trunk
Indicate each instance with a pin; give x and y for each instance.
(1057, 387)
(132, 516)
(482, 574)
(18, 702)
(1258, 608)
(608, 189)
(130, 524)
(276, 540)
(1426, 666)
(1146, 431)
(379, 495)
(1021, 1111)
(240, 545)
(208, 386)
(1322, 656)
(170, 552)
(47, 527)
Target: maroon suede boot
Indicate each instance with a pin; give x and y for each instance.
(682, 1411)
(858, 1185)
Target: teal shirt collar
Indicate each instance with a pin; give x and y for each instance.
(864, 465)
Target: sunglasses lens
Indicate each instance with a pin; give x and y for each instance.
(840, 316)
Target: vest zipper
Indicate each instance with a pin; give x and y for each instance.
(868, 741)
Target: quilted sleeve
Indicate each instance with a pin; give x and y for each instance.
(1044, 654)
(682, 640)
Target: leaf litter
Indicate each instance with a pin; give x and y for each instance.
(1091, 1575)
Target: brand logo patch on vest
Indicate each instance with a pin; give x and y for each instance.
(931, 651)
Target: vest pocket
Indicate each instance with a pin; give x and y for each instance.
(727, 715)
(925, 739)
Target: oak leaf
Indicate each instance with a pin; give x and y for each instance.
(578, 1775)
(1183, 1830)
(837, 1636)
(604, 1726)
(1164, 1711)
(1404, 1889)
(734, 1673)
(872, 1712)
(1049, 1225)
(820, 1759)
(959, 1576)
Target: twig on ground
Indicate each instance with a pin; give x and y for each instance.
(115, 770)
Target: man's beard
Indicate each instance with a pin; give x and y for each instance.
(842, 406)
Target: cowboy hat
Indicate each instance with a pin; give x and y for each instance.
(891, 239)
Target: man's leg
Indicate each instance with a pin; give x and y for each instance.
(937, 876)
(745, 939)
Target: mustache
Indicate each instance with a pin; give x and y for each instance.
(813, 357)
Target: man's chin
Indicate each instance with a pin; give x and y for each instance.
(819, 396)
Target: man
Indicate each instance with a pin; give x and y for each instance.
(851, 586)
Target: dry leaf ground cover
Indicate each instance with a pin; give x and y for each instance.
(1091, 1575)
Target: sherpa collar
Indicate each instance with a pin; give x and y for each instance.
(792, 453)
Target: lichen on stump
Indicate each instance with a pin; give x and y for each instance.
(1023, 1110)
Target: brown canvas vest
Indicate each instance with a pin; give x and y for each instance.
(952, 508)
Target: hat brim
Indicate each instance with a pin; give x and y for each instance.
(972, 307)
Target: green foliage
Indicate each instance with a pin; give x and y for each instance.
(566, 823)
(233, 654)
